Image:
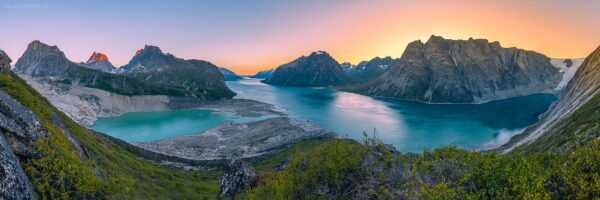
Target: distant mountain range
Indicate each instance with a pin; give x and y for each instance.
(317, 69)
(263, 74)
(228, 75)
(462, 71)
(201, 78)
(150, 72)
(48, 62)
(369, 70)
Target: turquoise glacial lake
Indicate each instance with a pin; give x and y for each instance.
(408, 125)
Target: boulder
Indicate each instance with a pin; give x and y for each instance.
(4, 62)
(13, 181)
(20, 127)
(238, 177)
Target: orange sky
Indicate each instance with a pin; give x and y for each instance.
(384, 29)
(248, 36)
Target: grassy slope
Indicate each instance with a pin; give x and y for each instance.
(60, 173)
(576, 130)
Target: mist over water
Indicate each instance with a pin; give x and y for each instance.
(408, 125)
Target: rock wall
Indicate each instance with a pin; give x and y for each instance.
(584, 86)
(463, 71)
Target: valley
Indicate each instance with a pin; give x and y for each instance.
(440, 120)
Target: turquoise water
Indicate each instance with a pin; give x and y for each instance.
(408, 125)
(149, 126)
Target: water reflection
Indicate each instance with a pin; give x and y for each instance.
(410, 126)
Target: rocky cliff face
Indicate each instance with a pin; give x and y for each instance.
(18, 129)
(14, 183)
(368, 70)
(238, 176)
(202, 78)
(228, 75)
(4, 62)
(573, 120)
(100, 62)
(48, 63)
(459, 71)
(317, 69)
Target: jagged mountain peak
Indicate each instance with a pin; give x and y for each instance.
(99, 61)
(37, 45)
(149, 49)
(463, 71)
(97, 56)
(319, 52)
(318, 69)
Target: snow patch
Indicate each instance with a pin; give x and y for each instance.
(567, 72)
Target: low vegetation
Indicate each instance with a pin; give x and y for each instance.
(110, 173)
(344, 169)
(332, 169)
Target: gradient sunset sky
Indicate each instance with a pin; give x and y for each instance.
(250, 35)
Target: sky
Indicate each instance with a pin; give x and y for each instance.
(246, 36)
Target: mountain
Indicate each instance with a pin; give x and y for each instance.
(263, 74)
(100, 62)
(463, 71)
(573, 120)
(42, 61)
(317, 69)
(228, 75)
(201, 78)
(346, 66)
(368, 70)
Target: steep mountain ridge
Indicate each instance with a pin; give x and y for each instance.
(572, 121)
(462, 71)
(315, 70)
(202, 78)
(47, 63)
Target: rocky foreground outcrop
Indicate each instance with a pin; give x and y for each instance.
(14, 183)
(463, 71)
(4, 62)
(237, 177)
(240, 140)
(21, 128)
(316, 70)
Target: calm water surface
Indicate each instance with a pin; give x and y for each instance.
(409, 125)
